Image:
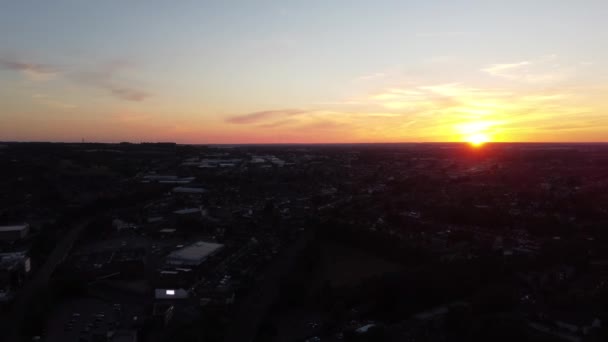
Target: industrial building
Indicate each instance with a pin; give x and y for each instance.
(14, 233)
(193, 255)
(14, 267)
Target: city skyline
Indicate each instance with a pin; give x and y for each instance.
(306, 72)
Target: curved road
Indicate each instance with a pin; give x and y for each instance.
(38, 282)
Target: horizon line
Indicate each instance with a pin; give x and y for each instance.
(300, 143)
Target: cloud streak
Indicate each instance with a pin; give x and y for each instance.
(436, 112)
(263, 116)
(105, 77)
(33, 71)
(542, 70)
(128, 94)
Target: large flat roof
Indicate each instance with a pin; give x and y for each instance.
(193, 254)
(14, 228)
(189, 190)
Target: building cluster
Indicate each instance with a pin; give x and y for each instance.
(395, 242)
(15, 262)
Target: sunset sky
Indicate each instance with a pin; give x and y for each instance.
(303, 71)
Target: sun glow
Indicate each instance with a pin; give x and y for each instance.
(478, 139)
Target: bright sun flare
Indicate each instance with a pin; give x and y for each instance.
(477, 140)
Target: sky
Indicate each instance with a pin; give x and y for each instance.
(309, 71)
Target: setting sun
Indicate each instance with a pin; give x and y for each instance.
(477, 140)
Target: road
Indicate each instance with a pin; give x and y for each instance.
(40, 280)
(253, 310)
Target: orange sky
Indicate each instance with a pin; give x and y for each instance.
(304, 72)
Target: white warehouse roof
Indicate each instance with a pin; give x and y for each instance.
(15, 228)
(193, 255)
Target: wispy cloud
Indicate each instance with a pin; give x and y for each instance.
(421, 97)
(33, 71)
(433, 112)
(279, 123)
(106, 76)
(505, 70)
(574, 126)
(126, 93)
(455, 111)
(542, 70)
(264, 116)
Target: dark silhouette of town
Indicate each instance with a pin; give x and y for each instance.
(340, 242)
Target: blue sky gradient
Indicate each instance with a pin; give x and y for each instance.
(327, 71)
